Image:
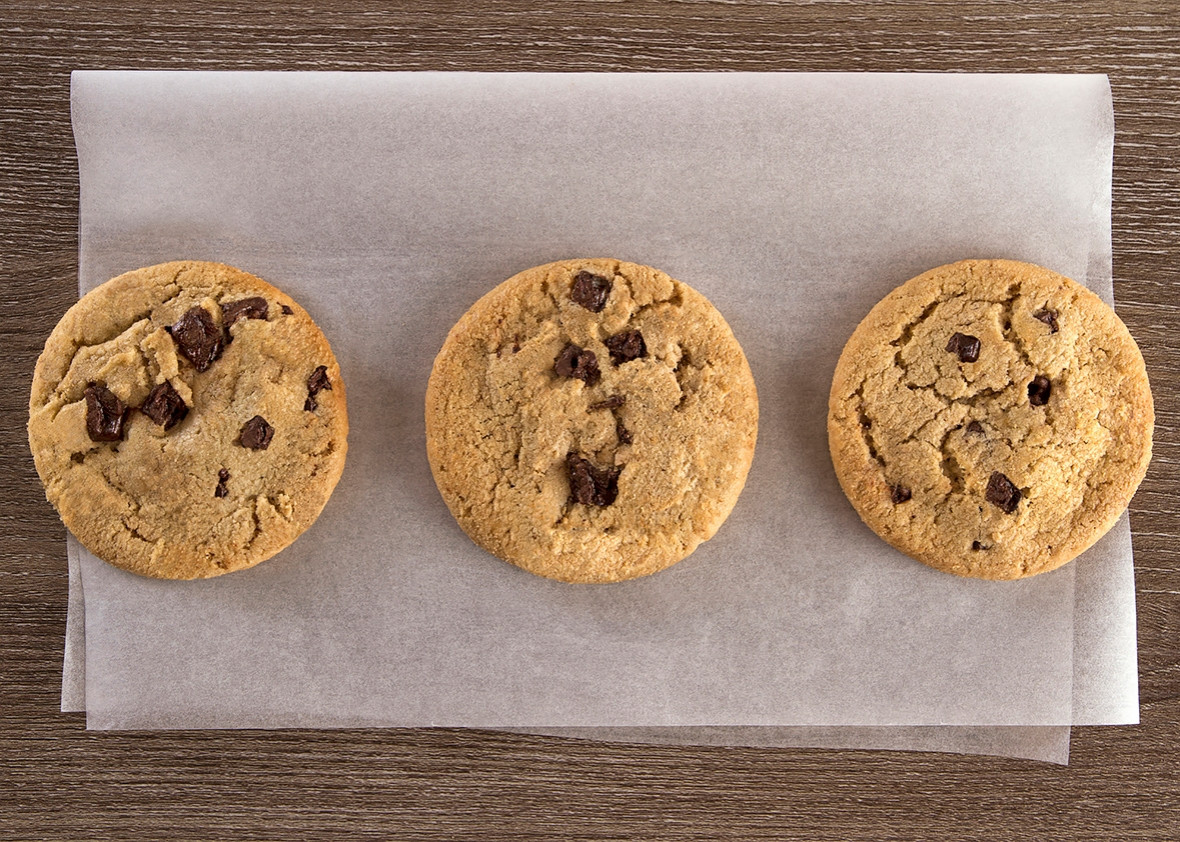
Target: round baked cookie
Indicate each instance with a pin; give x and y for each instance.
(591, 420)
(990, 418)
(187, 419)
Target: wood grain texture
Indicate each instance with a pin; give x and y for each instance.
(58, 782)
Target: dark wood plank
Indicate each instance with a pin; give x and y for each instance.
(57, 781)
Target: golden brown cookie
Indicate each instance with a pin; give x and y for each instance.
(187, 419)
(990, 418)
(591, 420)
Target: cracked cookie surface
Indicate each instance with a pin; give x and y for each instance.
(990, 418)
(187, 420)
(591, 420)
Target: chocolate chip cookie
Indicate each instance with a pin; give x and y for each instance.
(187, 419)
(990, 418)
(591, 420)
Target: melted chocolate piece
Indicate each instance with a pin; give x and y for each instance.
(165, 406)
(1047, 316)
(577, 362)
(623, 433)
(967, 347)
(105, 413)
(899, 494)
(625, 346)
(287, 311)
(589, 485)
(222, 478)
(613, 402)
(256, 434)
(197, 338)
(975, 428)
(77, 458)
(316, 383)
(590, 291)
(975, 545)
(1002, 492)
(1039, 390)
(246, 308)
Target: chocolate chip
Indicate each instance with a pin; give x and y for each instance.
(318, 380)
(1047, 316)
(77, 458)
(105, 413)
(165, 406)
(967, 347)
(623, 434)
(589, 485)
(246, 308)
(625, 346)
(256, 433)
(577, 362)
(287, 311)
(899, 494)
(1002, 493)
(613, 402)
(197, 337)
(975, 545)
(222, 479)
(590, 291)
(316, 383)
(1039, 390)
(975, 428)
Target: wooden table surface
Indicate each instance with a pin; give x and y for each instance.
(58, 781)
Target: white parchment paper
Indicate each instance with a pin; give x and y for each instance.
(387, 203)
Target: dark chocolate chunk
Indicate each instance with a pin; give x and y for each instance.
(613, 402)
(222, 479)
(245, 308)
(577, 362)
(625, 346)
(1002, 492)
(197, 337)
(967, 347)
(165, 406)
(899, 494)
(256, 433)
(318, 380)
(105, 413)
(975, 428)
(975, 545)
(590, 291)
(589, 485)
(316, 383)
(1039, 390)
(624, 435)
(287, 311)
(1047, 316)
